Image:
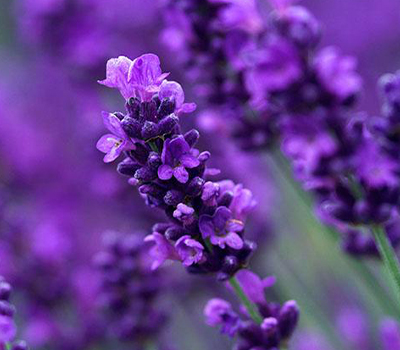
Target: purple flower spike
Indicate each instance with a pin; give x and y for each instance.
(253, 285)
(190, 251)
(173, 91)
(222, 228)
(115, 143)
(162, 250)
(117, 76)
(219, 312)
(176, 157)
(145, 76)
(7, 329)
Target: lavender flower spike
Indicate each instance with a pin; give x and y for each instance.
(205, 230)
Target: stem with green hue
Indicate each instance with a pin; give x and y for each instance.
(361, 270)
(388, 255)
(250, 306)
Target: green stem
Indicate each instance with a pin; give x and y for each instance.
(250, 306)
(369, 280)
(388, 255)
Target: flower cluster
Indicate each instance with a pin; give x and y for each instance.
(8, 329)
(207, 218)
(129, 289)
(278, 324)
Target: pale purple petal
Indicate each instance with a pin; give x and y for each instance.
(234, 240)
(165, 172)
(113, 124)
(252, 285)
(117, 75)
(178, 147)
(181, 174)
(189, 161)
(188, 107)
(234, 226)
(221, 216)
(206, 226)
(172, 90)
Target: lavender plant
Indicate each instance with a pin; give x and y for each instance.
(205, 230)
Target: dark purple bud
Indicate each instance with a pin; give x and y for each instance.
(173, 233)
(230, 265)
(127, 167)
(133, 107)
(288, 318)
(149, 130)
(382, 213)
(132, 127)
(5, 290)
(167, 107)
(6, 308)
(192, 137)
(167, 124)
(249, 330)
(153, 190)
(161, 227)
(270, 331)
(248, 248)
(154, 160)
(225, 199)
(145, 174)
(119, 115)
(195, 186)
(173, 197)
(140, 154)
(148, 111)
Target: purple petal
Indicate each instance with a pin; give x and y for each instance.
(106, 142)
(188, 108)
(117, 75)
(166, 155)
(110, 145)
(221, 216)
(173, 91)
(234, 240)
(165, 172)
(189, 161)
(145, 70)
(234, 226)
(206, 226)
(113, 124)
(178, 147)
(252, 285)
(181, 174)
